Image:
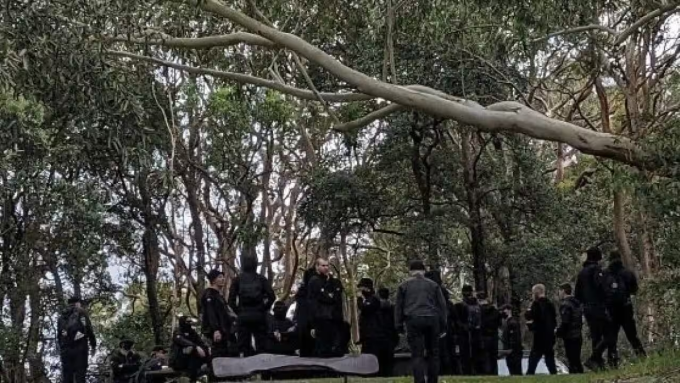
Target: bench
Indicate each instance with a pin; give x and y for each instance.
(349, 365)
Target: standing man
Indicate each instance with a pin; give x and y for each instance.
(421, 306)
(491, 322)
(570, 328)
(323, 296)
(512, 341)
(387, 314)
(468, 315)
(251, 297)
(302, 315)
(374, 334)
(74, 331)
(589, 291)
(542, 321)
(216, 322)
(620, 285)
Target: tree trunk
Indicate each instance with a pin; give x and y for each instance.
(620, 230)
(475, 224)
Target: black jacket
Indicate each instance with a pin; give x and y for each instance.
(544, 317)
(255, 311)
(66, 340)
(491, 321)
(571, 315)
(302, 313)
(420, 297)
(181, 339)
(630, 280)
(285, 327)
(324, 295)
(124, 366)
(215, 316)
(589, 289)
(372, 326)
(387, 314)
(512, 335)
(460, 309)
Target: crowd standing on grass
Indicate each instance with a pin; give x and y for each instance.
(444, 338)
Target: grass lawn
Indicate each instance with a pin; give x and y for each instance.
(655, 369)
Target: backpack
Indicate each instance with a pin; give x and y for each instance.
(615, 289)
(474, 317)
(250, 291)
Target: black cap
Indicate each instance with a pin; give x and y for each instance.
(365, 282)
(125, 341)
(384, 293)
(467, 289)
(74, 299)
(594, 254)
(506, 307)
(416, 265)
(614, 256)
(213, 274)
(158, 349)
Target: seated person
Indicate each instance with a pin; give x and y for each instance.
(189, 352)
(281, 333)
(156, 362)
(125, 362)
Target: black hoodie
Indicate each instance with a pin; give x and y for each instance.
(629, 279)
(589, 285)
(250, 279)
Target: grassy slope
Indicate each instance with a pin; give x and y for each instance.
(656, 369)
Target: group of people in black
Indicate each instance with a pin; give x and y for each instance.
(463, 338)
(443, 337)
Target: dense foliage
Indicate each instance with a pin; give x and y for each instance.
(138, 152)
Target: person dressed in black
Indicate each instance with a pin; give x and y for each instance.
(468, 341)
(301, 317)
(157, 360)
(374, 333)
(188, 353)
(570, 329)
(125, 362)
(324, 294)
(620, 285)
(421, 307)
(491, 323)
(387, 314)
(216, 322)
(542, 321)
(589, 291)
(74, 331)
(281, 332)
(251, 297)
(512, 341)
(447, 359)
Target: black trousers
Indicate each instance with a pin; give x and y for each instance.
(624, 317)
(489, 356)
(422, 334)
(543, 347)
(572, 348)
(249, 328)
(470, 349)
(514, 363)
(74, 365)
(326, 338)
(383, 350)
(601, 334)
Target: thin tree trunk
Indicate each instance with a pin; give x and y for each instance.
(475, 225)
(620, 230)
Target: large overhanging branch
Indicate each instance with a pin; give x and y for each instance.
(502, 117)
